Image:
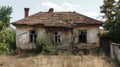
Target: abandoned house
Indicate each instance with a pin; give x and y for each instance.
(62, 27)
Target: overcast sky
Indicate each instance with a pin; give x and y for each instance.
(89, 8)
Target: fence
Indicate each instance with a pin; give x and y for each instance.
(115, 51)
(105, 46)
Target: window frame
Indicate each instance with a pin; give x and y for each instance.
(58, 35)
(82, 36)
(32, 36)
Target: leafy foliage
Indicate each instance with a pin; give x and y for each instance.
(4, 48)
(10, 38)
(7, 40)
(111, 9)
(7, 34)
(44, 46)
(5, 12)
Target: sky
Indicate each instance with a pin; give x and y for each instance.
(89, 8)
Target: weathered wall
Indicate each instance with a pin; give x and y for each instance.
(115, 51)
(66, 35)
(22, 36)
(92, 32)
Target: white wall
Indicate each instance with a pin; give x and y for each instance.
(22, 36)
(115, 51)
(92, 32)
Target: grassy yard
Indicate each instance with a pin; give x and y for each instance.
(55, 61)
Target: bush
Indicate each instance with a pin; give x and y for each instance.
(44, 46)
(10, 38)
(5, 48)
(7, 41)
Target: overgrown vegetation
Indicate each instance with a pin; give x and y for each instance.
(57, 61)
(7, 41)
(7, 34)
(111, 9)
(44, 46)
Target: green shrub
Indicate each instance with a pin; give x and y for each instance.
(44, 46)
(5, 48)
(7, 41)
(10, 38)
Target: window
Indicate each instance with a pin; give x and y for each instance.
(33, 36)
(73, 36)
(82, 35)
(58, 37)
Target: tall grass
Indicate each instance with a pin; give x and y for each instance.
(56, 61)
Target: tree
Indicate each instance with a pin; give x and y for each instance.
(111, 10)
(7, 40)
(5, 12)
(7, 34)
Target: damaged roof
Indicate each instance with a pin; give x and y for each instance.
(63, 19)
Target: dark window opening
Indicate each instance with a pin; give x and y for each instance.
(73, 36)
(33, 36)
(58, 37)
(82, 35)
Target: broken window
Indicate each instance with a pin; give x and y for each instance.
(73, 36)
(33, 36)
(82, 35)
(58, 37)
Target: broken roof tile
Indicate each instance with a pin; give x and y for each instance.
(57, 18)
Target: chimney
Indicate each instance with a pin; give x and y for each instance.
(50, 10)
(26, 10)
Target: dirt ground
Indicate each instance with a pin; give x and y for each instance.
(55, 61)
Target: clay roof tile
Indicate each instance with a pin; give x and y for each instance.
(57, 18)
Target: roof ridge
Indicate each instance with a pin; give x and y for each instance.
(87, 17)
(66, 16)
